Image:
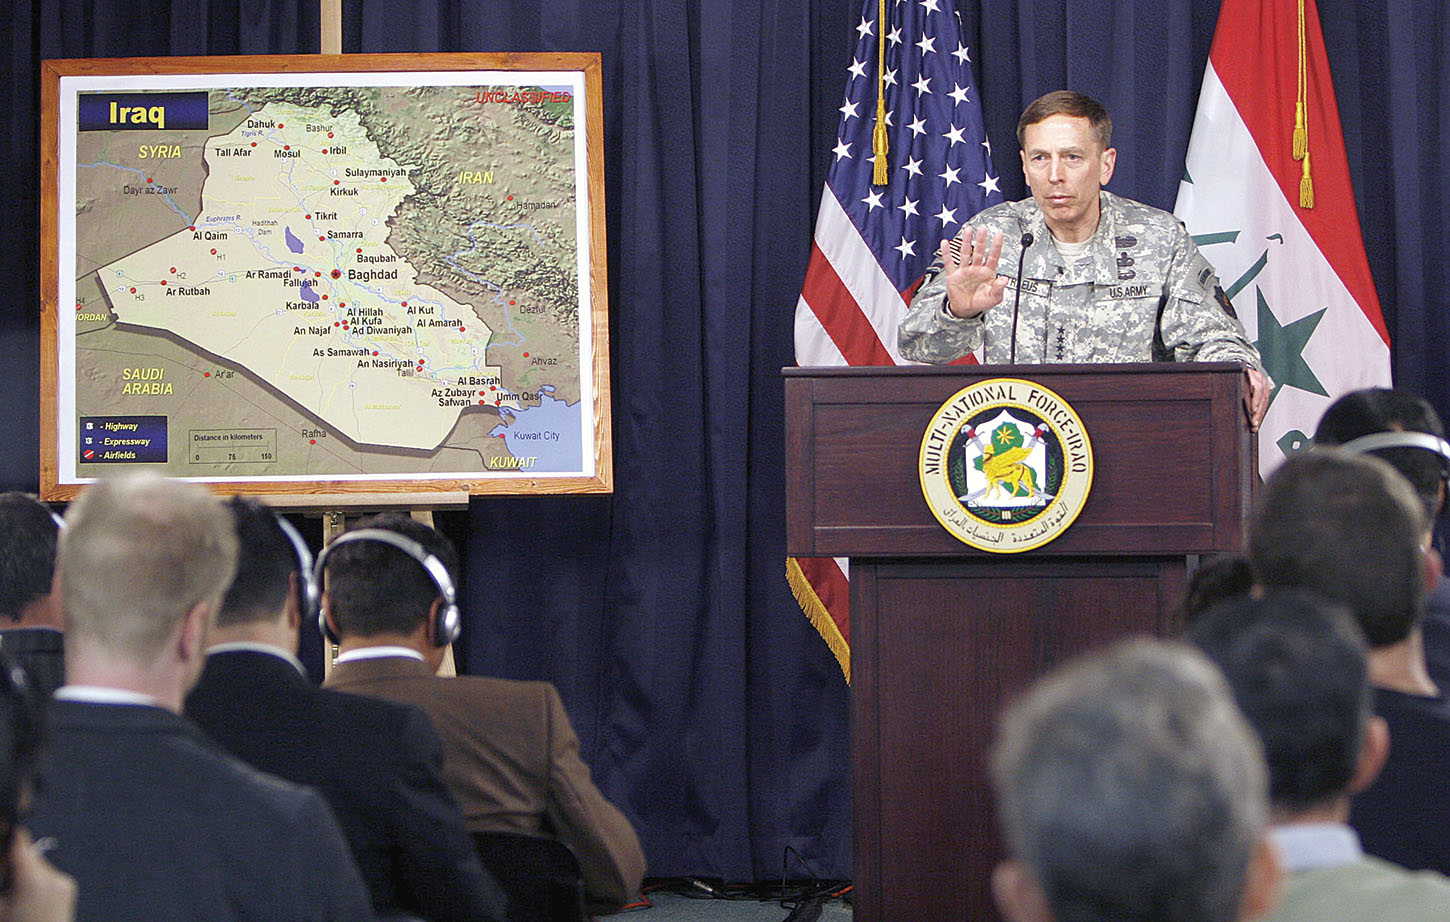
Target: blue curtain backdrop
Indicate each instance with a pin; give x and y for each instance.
(708, 708)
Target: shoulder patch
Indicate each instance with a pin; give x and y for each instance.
(1223, 301)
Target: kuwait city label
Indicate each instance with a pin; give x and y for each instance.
(1005, 465)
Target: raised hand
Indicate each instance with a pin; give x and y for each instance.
(969, 267)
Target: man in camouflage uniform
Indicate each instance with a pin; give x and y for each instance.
(1104, 279)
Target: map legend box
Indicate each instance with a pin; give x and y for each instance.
(123, 440)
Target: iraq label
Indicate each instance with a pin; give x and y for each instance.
(1005, 465)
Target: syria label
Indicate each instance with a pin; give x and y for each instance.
(1005, 465)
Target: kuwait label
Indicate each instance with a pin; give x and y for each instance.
(1005, 465)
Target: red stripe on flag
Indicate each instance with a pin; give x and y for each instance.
(835, 307)
(832, 588)
(1255, 55)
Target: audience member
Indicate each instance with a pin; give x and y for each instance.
(1350, 527)
(1216, 579)
(154, 821)
(29, 610)
(1403, 429)
(510, 753)
(379, 763)
(1297, 666)
(31, 889)
(1130, 789)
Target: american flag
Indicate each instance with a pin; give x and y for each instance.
(874, 242)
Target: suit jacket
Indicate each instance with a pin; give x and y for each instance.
(512, 759)
(157, 824)
(41, 652)
(379, 765)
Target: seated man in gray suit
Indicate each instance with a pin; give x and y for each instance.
(1130, 789)
(1297, 666)
(510, 753)
(378, 763)
(30, 622)
(153, 820)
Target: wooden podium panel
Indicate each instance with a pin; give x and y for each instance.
(943, 635)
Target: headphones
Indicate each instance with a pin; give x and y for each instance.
(311, 592)
(449, 623)
(1379, 441)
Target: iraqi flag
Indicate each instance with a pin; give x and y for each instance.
(1275, 214)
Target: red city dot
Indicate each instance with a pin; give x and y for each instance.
(254, 143)
(193, 227)
(279, 124)
(296, 268)
(420, 361)
(512, 303)
(324, 239)
(79, 308)
(206, 374)
(317, 275)
(329, 134)
(311, 441)
(383, 178)
(337, 273)
(405, 303)
(173, 270)
(511, 198)
(526, 355)
(324, 150)
(375, 352)
(149, 179)
(493, 387)
(480, 401)
(342, 304)
(163, 281)
(497, 401)
(286, 146)
(359, 249)
(324, 297)
(308, 217)
(337, 182)
(133, 291)
(336, 324)
(213, 251)
(463, 329)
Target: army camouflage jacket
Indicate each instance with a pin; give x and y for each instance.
(1141, 292)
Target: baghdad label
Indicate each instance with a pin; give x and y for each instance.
(1005, 465)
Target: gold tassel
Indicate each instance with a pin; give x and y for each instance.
(878, 134)
(1301, 133)
(1306, 186)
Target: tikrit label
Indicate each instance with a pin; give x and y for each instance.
(1005, 465)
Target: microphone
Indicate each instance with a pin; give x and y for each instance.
(1017, 300)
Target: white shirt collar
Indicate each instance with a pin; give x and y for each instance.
(378, 652)
(250, 646)
(1305, 846)
(97, 694)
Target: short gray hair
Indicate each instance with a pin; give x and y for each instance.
(1132, 787)
(138, 552)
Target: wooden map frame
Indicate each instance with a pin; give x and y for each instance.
(322, 492)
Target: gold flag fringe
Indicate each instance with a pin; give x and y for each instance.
(816, 613)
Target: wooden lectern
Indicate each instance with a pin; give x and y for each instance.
(942, 635)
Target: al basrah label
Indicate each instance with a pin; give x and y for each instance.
(1005, 465)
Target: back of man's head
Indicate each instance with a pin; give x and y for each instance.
(138, 552)
(1381, 409)
(1350, 528)
(27, 553)
(1297, 666)
(1131, 788)
(266, 560)
(374, 588)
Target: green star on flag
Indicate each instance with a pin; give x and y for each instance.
(1282, 349)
